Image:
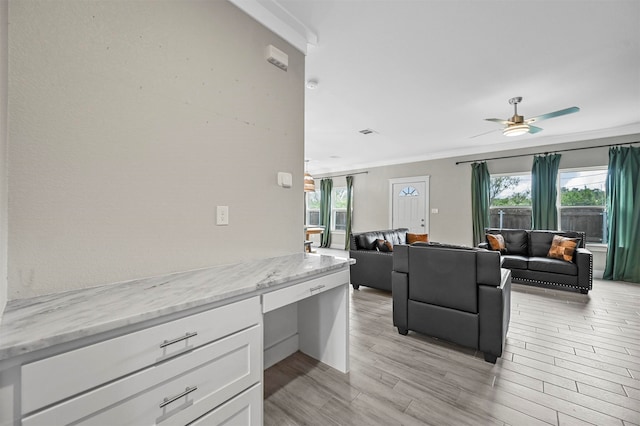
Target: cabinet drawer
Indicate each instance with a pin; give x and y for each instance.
(53, 379)
(175, 392)
(291, 294)
(243, 410)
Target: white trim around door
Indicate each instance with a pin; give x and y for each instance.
(409, 180)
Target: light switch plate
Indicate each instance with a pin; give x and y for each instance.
(222, 215)
(285, 180)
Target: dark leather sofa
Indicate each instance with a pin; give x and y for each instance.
(526, 257)
(458, 294)
(373, 267)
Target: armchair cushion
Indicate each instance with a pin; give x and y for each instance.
(446, 280)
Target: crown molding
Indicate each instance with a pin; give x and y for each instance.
(279, 20)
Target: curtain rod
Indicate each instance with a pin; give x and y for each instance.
(558, 150)
(348, 174)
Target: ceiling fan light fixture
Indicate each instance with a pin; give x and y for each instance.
(516, 130)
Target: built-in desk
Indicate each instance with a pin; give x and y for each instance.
(312, 317)
(174, 349)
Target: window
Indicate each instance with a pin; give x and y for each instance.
(409, 191)
(338, 208)
(510, 201)
(582, 205)
(313, 208)
(581, 202)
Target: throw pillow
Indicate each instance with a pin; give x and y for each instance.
(384, 246)
(414, 238)
(496, 242)
(562, 248)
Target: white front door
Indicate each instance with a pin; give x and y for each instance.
(409, 199)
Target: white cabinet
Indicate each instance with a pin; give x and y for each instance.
(243, 410)
(165, 374)
(201, 365)
(313, 317)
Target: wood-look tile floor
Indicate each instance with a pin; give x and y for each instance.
(570, 359)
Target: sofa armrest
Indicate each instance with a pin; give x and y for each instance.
(401, 258)
(488, 267)
(494, 310)
(400, 295)
(584, 262)
(372, 269)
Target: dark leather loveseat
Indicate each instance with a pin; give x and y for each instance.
(526, 253)
(373, 267)
(458, 294)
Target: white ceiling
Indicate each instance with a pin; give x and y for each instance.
(424, 74)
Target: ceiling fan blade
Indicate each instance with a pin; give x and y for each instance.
(485, 133)
(497, 120)
(552, 114)
(534, 129)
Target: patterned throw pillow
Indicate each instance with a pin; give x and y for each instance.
(562, 248)
(384, 246)
(414, 238)
(496, 242)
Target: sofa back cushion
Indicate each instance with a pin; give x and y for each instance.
(540, 241)
(515, 240)
(367, 240)
(396, 236)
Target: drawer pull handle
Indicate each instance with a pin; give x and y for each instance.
(177, 339)
(316, 288)
(186, 392)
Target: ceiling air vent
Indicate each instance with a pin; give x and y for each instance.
(367, 131)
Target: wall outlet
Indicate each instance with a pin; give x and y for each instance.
(434, 211)
(222, 215)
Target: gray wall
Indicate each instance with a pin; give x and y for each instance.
(129, 122)
(450, 188)
(4, 29)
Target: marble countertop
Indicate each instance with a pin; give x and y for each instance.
(40, 322)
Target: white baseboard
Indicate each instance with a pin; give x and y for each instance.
(280, 350)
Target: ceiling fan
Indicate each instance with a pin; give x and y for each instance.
(517, 125)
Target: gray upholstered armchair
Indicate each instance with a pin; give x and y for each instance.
(457, 294)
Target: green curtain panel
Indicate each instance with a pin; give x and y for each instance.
(544, 177)
(623, 205)
(347, 234)
(326, 185)
(480, 182)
